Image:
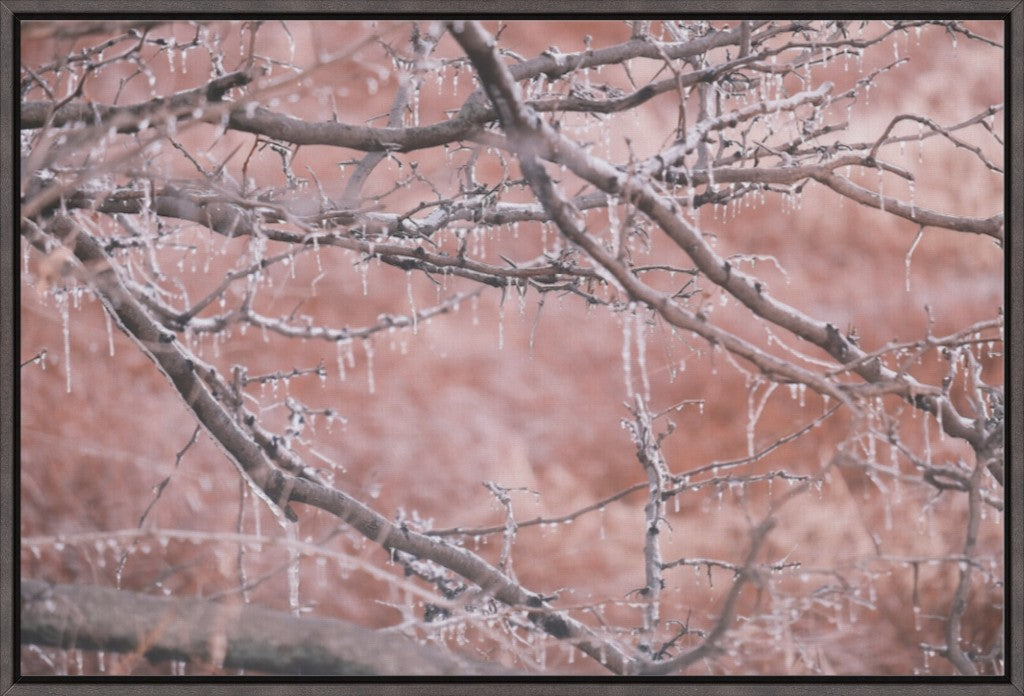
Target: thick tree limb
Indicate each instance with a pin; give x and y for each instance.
(992, 226)
(129, 119)
(223, 635)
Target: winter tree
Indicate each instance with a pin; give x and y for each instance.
(583, 347)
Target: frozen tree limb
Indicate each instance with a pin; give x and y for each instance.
(222, 634)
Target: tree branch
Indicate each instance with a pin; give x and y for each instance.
(224, 635)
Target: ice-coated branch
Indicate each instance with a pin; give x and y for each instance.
(203, 389)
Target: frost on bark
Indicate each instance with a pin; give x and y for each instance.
(673, 349)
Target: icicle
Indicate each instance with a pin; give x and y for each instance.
(627, 359)
(641, 354)
(340, 349)
(110, 333)
(368, 347)
(501, 323)
(906, 259)
(881, 190)
(293, 570)
(65, 319)
(412, 301)
(927, 441)
(613, 222)
(753, 414)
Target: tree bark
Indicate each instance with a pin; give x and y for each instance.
(234, 636)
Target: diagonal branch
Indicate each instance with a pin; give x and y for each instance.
(134, 117)
(519, 124)
(532, 138)
(201, 387)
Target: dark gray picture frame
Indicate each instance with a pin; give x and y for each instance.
(1012, 11)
